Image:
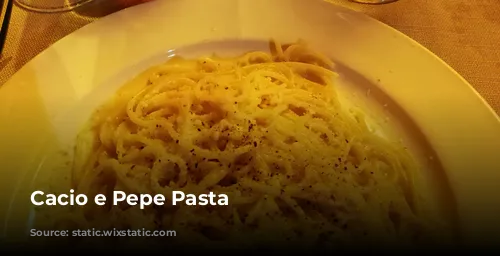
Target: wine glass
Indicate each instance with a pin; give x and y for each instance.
(51, 5)
(373, 1)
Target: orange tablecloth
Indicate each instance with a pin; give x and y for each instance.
(464, 33)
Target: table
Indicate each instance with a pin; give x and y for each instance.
(464, 33)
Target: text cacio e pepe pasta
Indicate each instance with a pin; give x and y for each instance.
(39, 198)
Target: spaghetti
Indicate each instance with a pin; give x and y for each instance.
(266, 129)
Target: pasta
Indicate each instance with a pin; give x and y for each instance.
(268, 130)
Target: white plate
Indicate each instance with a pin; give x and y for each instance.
(43, 105)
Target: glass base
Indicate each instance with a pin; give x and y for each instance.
(373, 1)
(50, 5)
